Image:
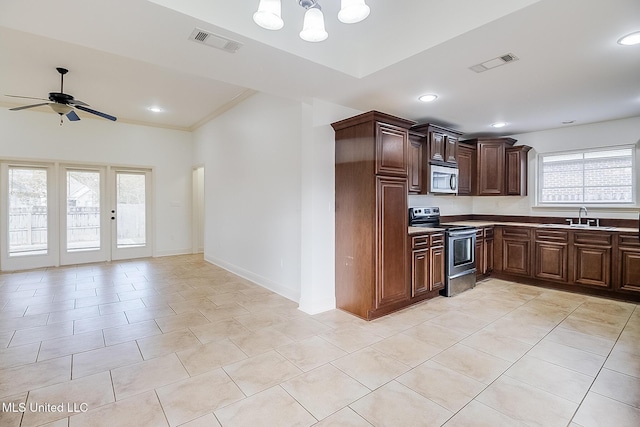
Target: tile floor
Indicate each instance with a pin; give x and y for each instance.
(177, 341)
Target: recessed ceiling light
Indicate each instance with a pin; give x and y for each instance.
(428, 98)
(155, 109)
(498, 124)
(630, 39)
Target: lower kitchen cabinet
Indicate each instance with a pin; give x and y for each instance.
(516, 251)
(628, 263)
(484, 251)
(552, 255)
(436, 262)
(427, 264)
(592, 258)
(598, 262)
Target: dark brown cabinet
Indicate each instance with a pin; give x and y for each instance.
(436, 263)
(490, 173)
(416, 171)
(592, 258)
(371, 184)
(466, 169)
(427, 265)
(391, 150)
(629, 263)
(484, 251)
(442, 143)
(517, 167)
(392, 229)
(552, 255)
(496, 167)
(419, 272)
(515, 250)
(592, 261)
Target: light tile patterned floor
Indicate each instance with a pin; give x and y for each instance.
(177, 341)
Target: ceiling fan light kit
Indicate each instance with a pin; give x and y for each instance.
(269, 16)
(63, 103)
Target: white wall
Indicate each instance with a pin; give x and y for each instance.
(317, 291)
(595, 135)
(251, 156)
(448, 204)
(269, 195)
(39, 136)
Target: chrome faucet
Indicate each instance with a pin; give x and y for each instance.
(580, 215)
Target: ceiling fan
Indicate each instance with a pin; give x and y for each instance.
(63, 103)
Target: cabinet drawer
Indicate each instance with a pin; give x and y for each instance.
(559, 236)
(516, 233)
(488, 233)
(420, 242)
(629, 240)
(479, 234)
(437, 239)
(587, 238)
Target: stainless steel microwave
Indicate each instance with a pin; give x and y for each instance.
(443, 180)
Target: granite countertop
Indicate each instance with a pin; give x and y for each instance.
(426, 230)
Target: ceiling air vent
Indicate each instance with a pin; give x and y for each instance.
(493, 63)
(215, 40)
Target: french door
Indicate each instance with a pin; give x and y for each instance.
(84, 226)
(29, 216)
(129, 214)
(62, 214)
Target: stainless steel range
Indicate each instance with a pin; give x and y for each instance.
(460, 244)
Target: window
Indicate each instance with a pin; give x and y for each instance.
(603, 176)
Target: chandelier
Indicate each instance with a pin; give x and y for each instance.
(269, 16)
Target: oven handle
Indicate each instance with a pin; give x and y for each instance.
(469, 233)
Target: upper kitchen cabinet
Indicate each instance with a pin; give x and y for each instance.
(379, 141)
(500, 167)
(517, 161)
(442, 144)
(466, 169)
(416, 172)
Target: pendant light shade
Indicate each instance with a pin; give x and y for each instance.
(313, 28)
(269, 15)
(352, 11)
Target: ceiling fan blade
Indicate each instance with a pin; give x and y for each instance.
(24, 107)
(78, 102)
(26, 97)
(97, 113)
(72, 116)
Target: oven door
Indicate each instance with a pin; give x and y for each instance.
(444, 180)
(461, 250)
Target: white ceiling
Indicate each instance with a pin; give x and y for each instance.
(125, 55)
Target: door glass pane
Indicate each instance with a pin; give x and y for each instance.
(27, 211)
(83, 210)
(131, 210)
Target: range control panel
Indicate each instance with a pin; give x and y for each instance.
(419, 212)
